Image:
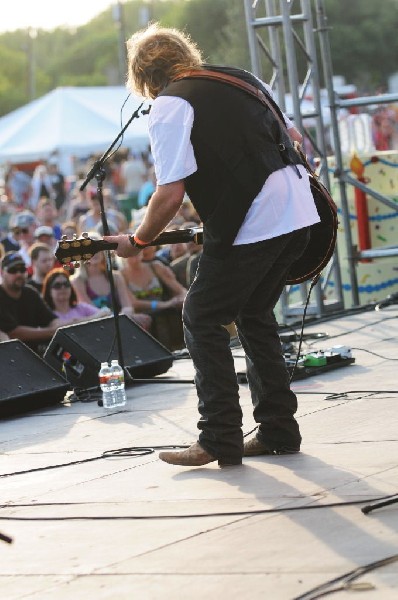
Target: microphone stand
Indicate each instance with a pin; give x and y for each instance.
(98, 171)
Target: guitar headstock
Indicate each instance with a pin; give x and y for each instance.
(76, 250)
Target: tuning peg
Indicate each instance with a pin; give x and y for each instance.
(64, 238)
(85, 234)
(74, 236)
(67, 267)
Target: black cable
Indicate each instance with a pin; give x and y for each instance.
(371, 507)
(232, 513)
(84, 395)
(313, 284)
(5, 538)
(347, 332)
(134, 451)
(374, 353)
(327, 588)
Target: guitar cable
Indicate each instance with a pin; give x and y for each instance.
(313, 284)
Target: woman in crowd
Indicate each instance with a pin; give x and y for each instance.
(91, 220)
(61, 298)
(92, 286)
(41, 186)
(155, 290)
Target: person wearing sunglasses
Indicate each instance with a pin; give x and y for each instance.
(61, 298)
(21, 234)
(19, 229)
(23, 313)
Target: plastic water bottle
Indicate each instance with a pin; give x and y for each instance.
(117, 380)
(106, 385)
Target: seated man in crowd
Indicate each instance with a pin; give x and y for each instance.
(23, 313)
(47, 216)
(42, 259)
(44, 235)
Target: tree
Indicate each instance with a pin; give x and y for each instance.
(364, 44)
(363, 40)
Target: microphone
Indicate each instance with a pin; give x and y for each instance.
(147, 111)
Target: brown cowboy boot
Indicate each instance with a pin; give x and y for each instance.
(255, 447)
(194, 456)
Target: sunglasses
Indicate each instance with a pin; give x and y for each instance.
(60, 284)
(14, 270)
(19, 230)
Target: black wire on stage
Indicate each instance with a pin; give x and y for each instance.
(137, 451)
(132, 452)
(5, 538)
(349, 331)
(231, 513)
(374, 353)
(344, 581)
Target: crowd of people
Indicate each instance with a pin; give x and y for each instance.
(37, 295)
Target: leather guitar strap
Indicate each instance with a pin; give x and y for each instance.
(253, 91)
(235, 81)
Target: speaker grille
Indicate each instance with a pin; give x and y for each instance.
(26, 380)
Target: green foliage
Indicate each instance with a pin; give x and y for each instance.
(13, 71)
(363, 38)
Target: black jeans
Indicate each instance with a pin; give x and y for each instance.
(244, 287)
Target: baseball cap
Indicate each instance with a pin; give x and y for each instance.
(12, 259)
(44, 230)
(23, 219)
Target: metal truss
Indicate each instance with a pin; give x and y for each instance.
(281, 33)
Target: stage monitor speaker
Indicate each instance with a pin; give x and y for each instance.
(78, 350)
(26, 381)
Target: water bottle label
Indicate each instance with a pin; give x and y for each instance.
(118, 379)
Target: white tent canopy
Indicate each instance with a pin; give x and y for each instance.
(71, 121)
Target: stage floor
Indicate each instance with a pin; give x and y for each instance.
(133, 527)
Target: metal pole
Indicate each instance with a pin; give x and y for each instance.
(320, 132)
(119, 20)
(291, 64)
(251, 37)
(328, 75)
(277, 56)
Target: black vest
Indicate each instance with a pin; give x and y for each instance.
(237, 143)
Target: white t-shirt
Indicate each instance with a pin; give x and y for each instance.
(285, 202)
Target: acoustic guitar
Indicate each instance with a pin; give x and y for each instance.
(316, 256)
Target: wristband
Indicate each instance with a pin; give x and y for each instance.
(154, 304)
(135, 241)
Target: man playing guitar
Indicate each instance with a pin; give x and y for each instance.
(238, 165)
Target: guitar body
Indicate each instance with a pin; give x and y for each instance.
(323, 237)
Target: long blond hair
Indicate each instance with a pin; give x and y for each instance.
(156, 55)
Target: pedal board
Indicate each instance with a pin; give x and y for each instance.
(313, 363)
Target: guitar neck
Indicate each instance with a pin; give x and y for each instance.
(179, 236)
(175, 236)
(84, 248)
